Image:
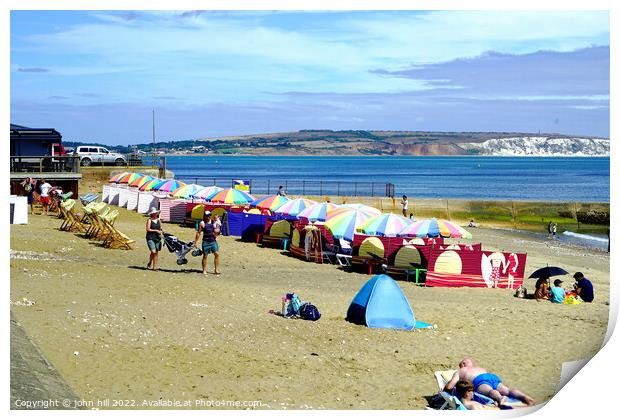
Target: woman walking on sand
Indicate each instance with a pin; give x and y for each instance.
(153, 237)
(210, 230)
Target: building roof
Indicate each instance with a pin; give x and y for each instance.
(20, 129)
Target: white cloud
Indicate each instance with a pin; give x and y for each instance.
(236, 55)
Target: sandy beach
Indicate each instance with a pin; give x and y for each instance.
(115, 330)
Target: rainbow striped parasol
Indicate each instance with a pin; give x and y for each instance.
(269, 202)
(186, 191)
(434, 228)
(294, 207)
(150, 185)
(206, 192)
(129, 178)
(318, 212)
(363, 207)
(384, 225)
(169, 185)
(344, 224)
(141, 181)
(117, 177)
(231, 196)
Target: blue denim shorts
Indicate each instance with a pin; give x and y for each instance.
(153, 245)
(210, 248)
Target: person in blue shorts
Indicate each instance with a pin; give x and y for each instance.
(209, 231)
(485, 383)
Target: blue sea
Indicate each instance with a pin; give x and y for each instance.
(580, 179)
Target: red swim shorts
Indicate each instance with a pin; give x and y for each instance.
(45, 200)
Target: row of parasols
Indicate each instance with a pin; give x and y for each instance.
(343, 221)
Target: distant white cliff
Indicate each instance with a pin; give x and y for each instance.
(542, 146)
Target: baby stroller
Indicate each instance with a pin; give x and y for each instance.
(178, 247)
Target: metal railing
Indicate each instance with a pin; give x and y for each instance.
(303, 187)
(41, 164)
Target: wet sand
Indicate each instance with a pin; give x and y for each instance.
(115, 330)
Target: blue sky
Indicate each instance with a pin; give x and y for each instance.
(96, 75)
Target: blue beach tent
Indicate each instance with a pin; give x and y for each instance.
(381, 303)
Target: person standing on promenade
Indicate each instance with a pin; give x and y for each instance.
(153, 237)
(281, 191)
(209, 242)
(405, 203)
(45, 195)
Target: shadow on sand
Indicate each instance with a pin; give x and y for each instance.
(166, 270)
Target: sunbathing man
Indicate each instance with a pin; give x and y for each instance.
(485, 383)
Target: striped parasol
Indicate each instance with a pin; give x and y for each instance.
(150, 185)
(363, 207)
(169, 185)
(186, 191)
(344, 224)
(269, 202)
(317, 212)
(434, 228)
(294, 207)
(206, 192)
(141, 181)
(129, 178)
(231, 196)
(384, 225)
(117, 177)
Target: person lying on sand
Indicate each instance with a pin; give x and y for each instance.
(485, 383)
(464, 391)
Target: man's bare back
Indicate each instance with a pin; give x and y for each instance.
(468, 373)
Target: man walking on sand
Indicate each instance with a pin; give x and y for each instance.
(45, 199)
(485, 383)
(209, 242)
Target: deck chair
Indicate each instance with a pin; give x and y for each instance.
(106, 224)
(75, 218)
(116, 239)
(343, 253)
(88, 198)
(95, 222)
(64, 213)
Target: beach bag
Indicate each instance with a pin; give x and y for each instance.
(521, 292)
(572, 300)
(309, 312)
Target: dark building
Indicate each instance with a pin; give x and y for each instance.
(38, 153)
(27, 141)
